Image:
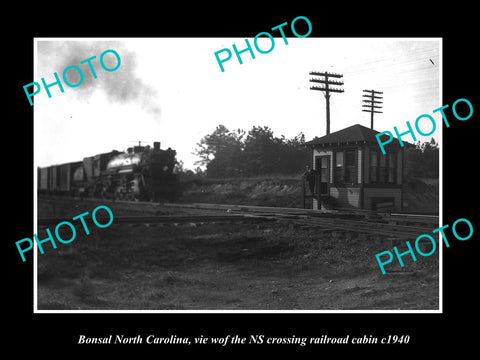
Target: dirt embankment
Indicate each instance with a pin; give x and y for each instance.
(262, 191)
(420, 195)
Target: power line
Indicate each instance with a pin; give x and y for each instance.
(371, 104)
(327, 89)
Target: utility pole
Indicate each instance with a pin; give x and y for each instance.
(371, 104)
(327, 82)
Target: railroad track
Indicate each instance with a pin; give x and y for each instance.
(396, 225)
(360, 221)
(150, 219)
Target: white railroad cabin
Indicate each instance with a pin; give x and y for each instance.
(352, 172)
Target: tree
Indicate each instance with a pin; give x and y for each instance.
(220, 152)
(423, 159)
(296, 154)
(259, 152)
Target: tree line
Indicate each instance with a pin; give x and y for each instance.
(226, 153)
(238, 153)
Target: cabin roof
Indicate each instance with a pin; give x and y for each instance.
(355, 134)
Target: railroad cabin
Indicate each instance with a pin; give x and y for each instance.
(352, 172)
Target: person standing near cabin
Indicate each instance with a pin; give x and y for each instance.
(310, 177)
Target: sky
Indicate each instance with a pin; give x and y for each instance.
(173, 91)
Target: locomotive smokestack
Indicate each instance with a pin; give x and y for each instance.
(156, 145)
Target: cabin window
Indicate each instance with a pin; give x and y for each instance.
(350, 168)
(392, 167)
(383, 168)
(339, 167)
(373, 166)
(345, 167)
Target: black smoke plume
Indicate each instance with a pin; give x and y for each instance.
(120, 86)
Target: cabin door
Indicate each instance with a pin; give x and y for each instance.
(322, 168)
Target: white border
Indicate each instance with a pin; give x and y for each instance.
(35, 205)
(440, 187)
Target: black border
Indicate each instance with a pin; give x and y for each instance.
(52, 334)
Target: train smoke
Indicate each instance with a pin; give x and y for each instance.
(120, 86)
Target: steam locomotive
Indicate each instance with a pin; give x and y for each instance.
(141, 173)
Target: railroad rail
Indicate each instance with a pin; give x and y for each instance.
(393, 225)
(163, 219)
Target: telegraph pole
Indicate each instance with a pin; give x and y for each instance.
(327, 89)
(371, 104)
